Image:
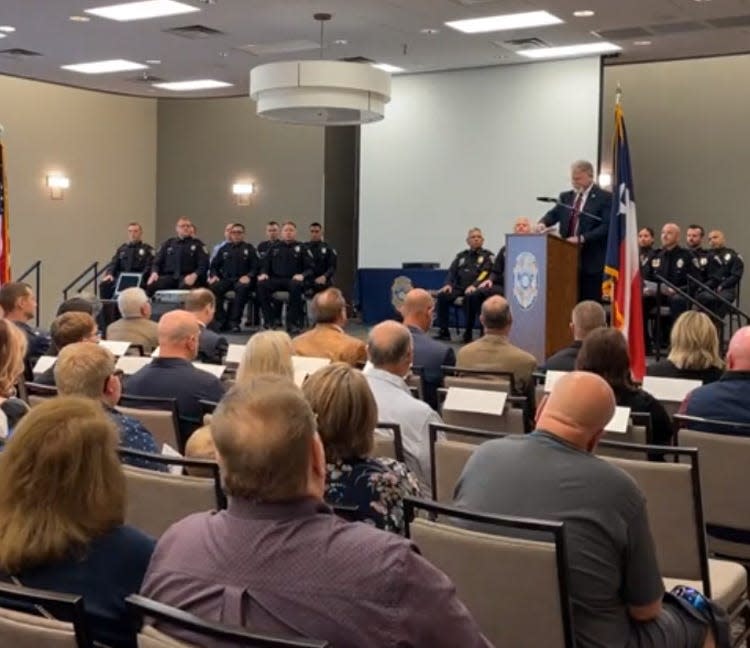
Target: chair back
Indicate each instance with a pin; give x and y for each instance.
(450, 449)
(511, 421)
(158, 499)
(37, 393)
(161, 413)
(141, 607)
(675, 512)
(512, 575)
(415, 382)
(724, 458)
(27, 630)
(388, 441)
(638, 432)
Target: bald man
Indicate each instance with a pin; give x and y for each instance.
(390, 352)
(550, 474)
(417, 311)
(172, 374)
(327, 338)
(723, 273)
(674, 263)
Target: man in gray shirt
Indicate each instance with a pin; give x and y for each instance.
(616, 588)
(279, 562)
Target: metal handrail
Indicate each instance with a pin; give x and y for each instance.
(36, 269)
(721, 299)
(93, 266)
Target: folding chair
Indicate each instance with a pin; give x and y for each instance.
(159, 416)
(388, 441)
(511, 421)
(37, 393)
(487, 566)
(479, 379)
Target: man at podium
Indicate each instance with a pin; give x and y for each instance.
(583, 215)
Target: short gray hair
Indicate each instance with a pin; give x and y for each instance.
(583, 165)
(587, 316)
(389, 350)
(131, 300)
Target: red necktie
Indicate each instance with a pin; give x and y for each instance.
(574, 214)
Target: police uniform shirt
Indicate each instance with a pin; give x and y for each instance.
(235, 260)
(674, 265)
(700, 264)
(135, 256)
(645, 254)
(497, 276)
(264, 247)
(284, 260)
(724, 269)
(470, 267)
(324, 259)
(180, 257)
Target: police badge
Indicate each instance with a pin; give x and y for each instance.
(525, 280)
(141, 251)
(680, 263)
(192, 248)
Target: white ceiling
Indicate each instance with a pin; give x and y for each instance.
(382, 30)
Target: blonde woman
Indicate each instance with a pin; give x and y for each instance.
(694, 350)
(347, 414)
(267, 352)
(12, 352)
(62, 506)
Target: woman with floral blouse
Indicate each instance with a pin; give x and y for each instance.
(347, 415)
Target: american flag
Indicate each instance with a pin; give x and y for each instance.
(4, 233)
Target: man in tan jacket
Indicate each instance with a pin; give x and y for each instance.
(327, 339)
(136, 325)
(493, 351)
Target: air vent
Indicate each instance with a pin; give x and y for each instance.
(521, 43)
(194, 32)
(677, 28)
(730, 21)
(474, 3)
(626, 33)
(356, 59)
(282, 47)
(18, 53)
(145, 78)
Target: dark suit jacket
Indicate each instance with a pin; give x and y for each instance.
(212, 347)
(37, 345)
(431, 355)
(564, 359)
(594, 232)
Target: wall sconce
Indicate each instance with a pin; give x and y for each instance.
(242, 192)
(56, 184)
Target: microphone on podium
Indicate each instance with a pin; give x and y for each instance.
(546, 199)
(569, 207)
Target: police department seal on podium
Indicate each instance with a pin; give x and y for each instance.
(525, 280)
(400, 286)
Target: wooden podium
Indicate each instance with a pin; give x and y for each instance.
(541, 285)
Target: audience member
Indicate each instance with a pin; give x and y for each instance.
(267, 352)
(694, 350)
(467, 272)
(346, 413)
(136, 325)
(429, 354)
(724, 270)
(12, 352)
(605, 353)
(70, 327)
(390, 351)
(78, 304)
(586, 316)
(327, 338)
(212, 347)
(200, 445)
(725, 399)
(494, 352)
(297, 568)
(88, 371)
(172, 374)
(63, 529)
(19, 305)
(616, 589)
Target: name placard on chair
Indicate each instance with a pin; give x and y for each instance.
(234, 354)
(116, 347)
(550, 378)
(44, 363)
(215, 369)
(669, 389)
(619, 421)
(481, 401)
(308, 364)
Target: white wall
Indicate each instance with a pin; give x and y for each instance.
(471, 148)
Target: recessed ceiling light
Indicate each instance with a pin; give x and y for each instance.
(7, 29)
(386, 67)
(429, 31)
(153, 61)
(197, 84)
(641, 43)
(79, 18)
(583, 13)
(507, 21)
(584, 49)
(142, 10)
(341, 41)
(104, 67)
(3, 35)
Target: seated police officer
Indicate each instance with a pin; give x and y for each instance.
(234, 267)
(180, 263)
(324, 259)
(133, 256)
(673, 263)
(724, 271)
(285, 267)
(469, 269)
(694, 245)
(646, 249)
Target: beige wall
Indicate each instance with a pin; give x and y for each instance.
(688, 129)
(205, 145)
(106, 145)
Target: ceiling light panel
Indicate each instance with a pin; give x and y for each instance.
(387, 67)
(104, 67)
(142, 10)
(585, 49)
(504, 22)
(197, 84)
